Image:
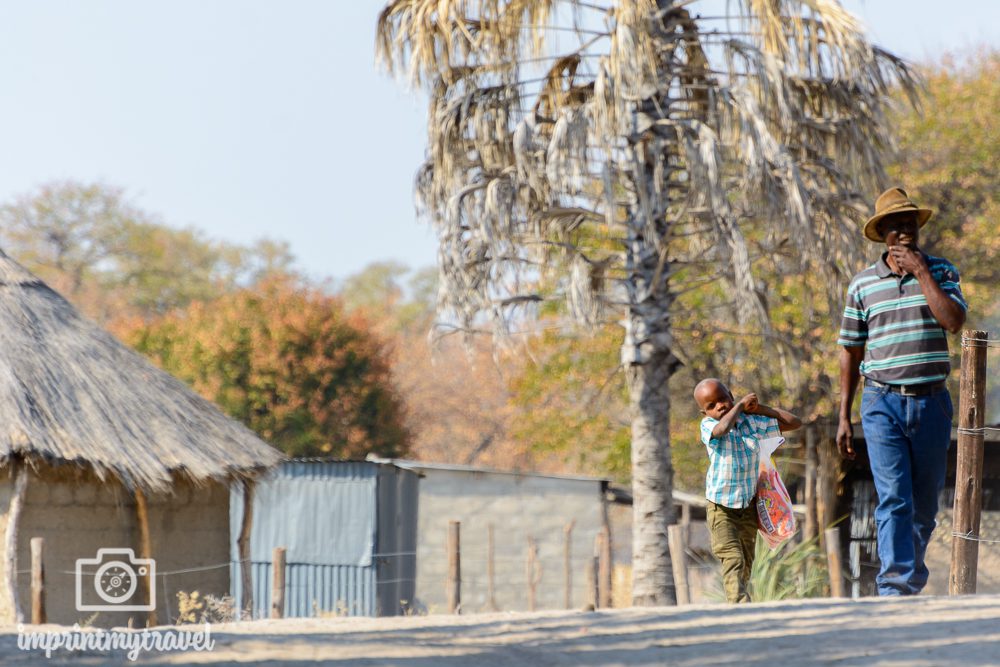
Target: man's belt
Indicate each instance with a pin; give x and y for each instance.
(925, 389)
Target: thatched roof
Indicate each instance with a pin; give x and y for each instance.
(72, 393)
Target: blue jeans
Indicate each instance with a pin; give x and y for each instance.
(907, 438)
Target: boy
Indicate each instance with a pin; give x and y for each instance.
(731, 482)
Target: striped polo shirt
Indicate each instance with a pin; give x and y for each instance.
(889, 315)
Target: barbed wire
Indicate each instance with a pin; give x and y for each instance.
(969, 537)
(989, 342)
(978, 430)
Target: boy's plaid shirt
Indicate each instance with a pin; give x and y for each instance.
(732, 465)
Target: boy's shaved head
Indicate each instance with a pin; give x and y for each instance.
(708, 388)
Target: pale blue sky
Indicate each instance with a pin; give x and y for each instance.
(253, 118)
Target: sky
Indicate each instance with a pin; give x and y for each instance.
(252, 119)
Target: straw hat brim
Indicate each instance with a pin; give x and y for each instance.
(871, 227)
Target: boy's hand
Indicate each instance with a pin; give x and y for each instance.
(750, 403)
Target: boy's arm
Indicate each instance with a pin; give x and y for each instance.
(728, 420)
(786, 420)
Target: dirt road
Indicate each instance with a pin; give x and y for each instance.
(914, 632)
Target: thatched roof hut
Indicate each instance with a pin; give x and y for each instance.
(72, 393)
(80, 409)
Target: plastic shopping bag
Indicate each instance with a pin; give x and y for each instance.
(775, 518)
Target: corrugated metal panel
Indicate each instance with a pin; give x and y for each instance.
(307, 504)
(313, 590)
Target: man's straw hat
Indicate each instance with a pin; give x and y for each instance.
(891, 202)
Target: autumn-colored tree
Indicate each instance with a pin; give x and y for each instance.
(459, 405)
(284, 359)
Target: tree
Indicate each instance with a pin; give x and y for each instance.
(458, 405)
(285, 360)
(948, 161)
(106, 255)
(603, 171)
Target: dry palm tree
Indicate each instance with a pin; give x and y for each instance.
(593, 149)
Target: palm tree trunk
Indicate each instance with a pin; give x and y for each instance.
(649, 363)
(652, 482)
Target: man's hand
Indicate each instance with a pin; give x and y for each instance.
(750, 404)
(909, 259)
(845, 437)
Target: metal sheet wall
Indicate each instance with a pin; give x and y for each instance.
(316, 587)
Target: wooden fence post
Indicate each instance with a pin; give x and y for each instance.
(828, 476)
(454, 584)
(568, 564)
(534, 573)
(243, 544)
(278, 583)
(604, 567)
(810, 529)
(37, 580)
(833, 562)
(146, 552)
(593, 596)
(678, 560)
(969, 468)
(491, 591)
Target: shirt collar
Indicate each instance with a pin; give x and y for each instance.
(882, 268)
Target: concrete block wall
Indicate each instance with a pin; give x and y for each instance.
(188, 529)
(517, 506)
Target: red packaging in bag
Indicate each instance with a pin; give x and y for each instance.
(775, 517)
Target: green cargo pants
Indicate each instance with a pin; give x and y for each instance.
(734, 535)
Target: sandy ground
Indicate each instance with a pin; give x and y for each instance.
(913, 632)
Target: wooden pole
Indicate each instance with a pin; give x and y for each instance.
(37, 581)
(278, 583)
(828, 476)
(686, 521)
(811, 528)
(604, 567)
(833, 562)
(20, 473)
(243, 544)
(491, 571)
(568, 564)
(533, 573)
(454, 583)
(592, 593)
(678, 560)
(146, 552)
(969, 469)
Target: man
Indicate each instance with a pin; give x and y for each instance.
(893, 334)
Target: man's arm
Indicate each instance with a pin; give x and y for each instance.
(850, 375)
(949, 313)
(786, 420)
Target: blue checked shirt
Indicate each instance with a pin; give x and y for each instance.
(732, 464)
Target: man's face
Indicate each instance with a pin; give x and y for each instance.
(900, 229)
(715, 400)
